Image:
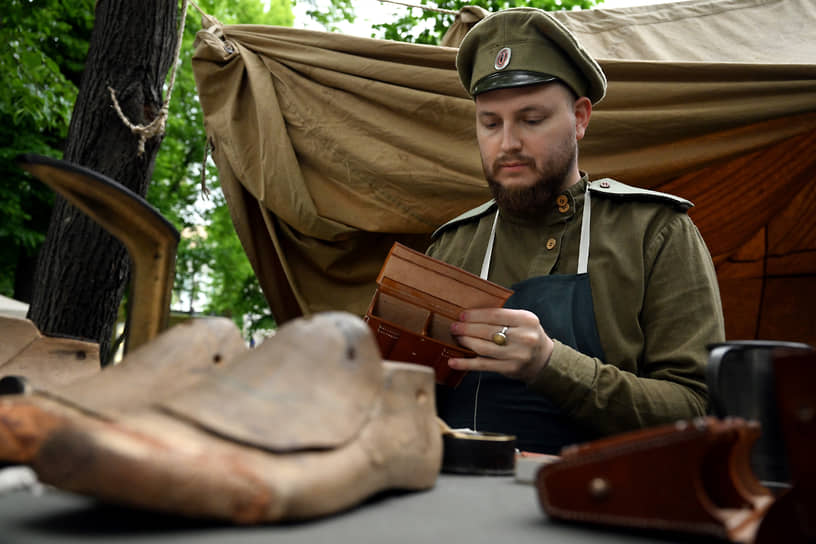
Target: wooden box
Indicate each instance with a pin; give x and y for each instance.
(417, 299)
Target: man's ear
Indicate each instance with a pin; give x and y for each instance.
(583, 111)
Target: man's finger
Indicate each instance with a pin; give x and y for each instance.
(479, 363)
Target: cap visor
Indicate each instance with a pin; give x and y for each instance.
(512, 78)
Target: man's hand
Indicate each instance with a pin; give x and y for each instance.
(526, 352)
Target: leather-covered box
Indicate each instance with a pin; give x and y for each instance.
(417, 299)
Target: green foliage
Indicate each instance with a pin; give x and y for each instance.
(327, 13)
(175, 186)
(213, 273)
(241, 294)
(45, 45)
(41, 66)
(428, 27)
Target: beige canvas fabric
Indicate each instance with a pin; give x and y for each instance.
(330, 147)
(739, 31)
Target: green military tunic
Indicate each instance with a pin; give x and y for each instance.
(654, 288)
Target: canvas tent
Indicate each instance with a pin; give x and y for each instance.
(330, 147)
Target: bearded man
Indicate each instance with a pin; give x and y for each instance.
(615, 294)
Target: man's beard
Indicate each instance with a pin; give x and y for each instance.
(536, 199)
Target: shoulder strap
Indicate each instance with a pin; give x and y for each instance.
(614, 188)
(478, 211)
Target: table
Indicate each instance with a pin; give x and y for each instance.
(459, 508)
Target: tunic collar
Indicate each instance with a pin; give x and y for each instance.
(564, 207)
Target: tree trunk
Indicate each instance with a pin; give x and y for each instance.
(82, 271)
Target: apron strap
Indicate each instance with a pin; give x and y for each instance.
(489, 250)
(483, 274)
(583, 247)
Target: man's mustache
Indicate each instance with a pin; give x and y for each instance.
(503, 160)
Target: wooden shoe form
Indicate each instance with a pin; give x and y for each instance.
(174, 360)
(307, 424)
(43, 361)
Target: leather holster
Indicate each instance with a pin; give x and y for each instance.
(690, 477)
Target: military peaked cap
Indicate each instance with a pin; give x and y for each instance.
(525, 46)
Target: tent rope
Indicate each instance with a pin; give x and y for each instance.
(201, 11)
(156, 126)
(426, 8)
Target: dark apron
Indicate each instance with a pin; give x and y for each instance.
(488, 401)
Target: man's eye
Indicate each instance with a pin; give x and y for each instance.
(533, 121)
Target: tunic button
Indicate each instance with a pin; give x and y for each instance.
(564, 209)
(551, 243)
(562, 201)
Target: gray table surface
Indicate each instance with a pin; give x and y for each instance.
(458, 509)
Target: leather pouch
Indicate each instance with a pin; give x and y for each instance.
(417, 299)
(691, 477)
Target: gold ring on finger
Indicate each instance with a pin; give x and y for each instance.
(500, 337)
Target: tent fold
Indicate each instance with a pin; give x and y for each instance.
(331, 147)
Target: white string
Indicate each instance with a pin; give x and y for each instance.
(426, 8)
(476, 400)
(483, 274)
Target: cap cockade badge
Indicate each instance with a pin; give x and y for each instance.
(502, 58)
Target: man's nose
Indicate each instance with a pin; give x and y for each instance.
(510, 138)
